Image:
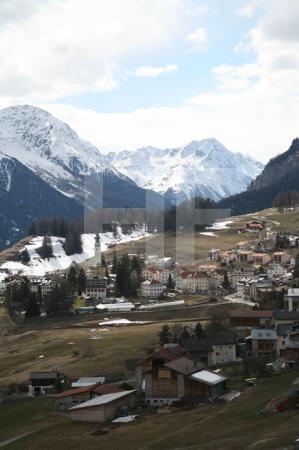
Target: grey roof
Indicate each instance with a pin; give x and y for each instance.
(184, 365)
(194, 345)
(283, 328)
(43, 375)
(204, 344)
(263, 334)
(286, 315)
(224, 337)
(102, 400)
(208, 377)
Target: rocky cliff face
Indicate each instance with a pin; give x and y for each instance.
(279, 167)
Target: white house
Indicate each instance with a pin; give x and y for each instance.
(152, 288)
(96, 287)
(291, 300)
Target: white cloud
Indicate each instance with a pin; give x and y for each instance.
(248, 10)
(197, 39)
(155, 71)
(58, 48)
(253, 109)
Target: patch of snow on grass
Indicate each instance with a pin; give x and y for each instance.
(60, 261)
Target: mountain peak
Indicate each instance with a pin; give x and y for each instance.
(204, 167)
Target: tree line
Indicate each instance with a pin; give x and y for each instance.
(128, 273)
(155, 219)
(286, 200)
(19, 298)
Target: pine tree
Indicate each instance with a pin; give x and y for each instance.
(73, 242)
(114, 263)
(62, 228)
(59, 300)
(185, 334)
(103, 261)
(24, 256)
(72, 278)
(164, 335)
(170, 283)
(225, 283)
(296, 268)
(32, 307)
(45, 251)
(198, 330)
(81, 281)
(32, 230)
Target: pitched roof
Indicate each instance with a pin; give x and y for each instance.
(286, 315)
(102, 400)
(194, 345)
(169, 352)
(264, 334)
(43, 375)
(99, 389)
(222, 337)
(283, 328)
(252, 313)
(207, 377)
(184, 365)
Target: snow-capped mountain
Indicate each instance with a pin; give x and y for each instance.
(47, 170)
(24, 198)
(205, 168)
(55, 153)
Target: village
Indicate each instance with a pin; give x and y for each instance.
(196, 362)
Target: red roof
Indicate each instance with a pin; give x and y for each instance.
(252, 313)
(169, 353)
(99, 389)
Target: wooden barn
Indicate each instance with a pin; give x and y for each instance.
(103, 408)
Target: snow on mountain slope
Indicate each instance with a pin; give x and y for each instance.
(204, 168)
(54, 152)
(60, 261)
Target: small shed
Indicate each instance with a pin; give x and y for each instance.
(103, 408)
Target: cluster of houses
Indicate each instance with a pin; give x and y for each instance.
(273, 334)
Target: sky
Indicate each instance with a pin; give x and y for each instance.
(132, 73)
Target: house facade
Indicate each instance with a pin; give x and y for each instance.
(96, 288)
(291, 300)
(152, 289)
(180, 381)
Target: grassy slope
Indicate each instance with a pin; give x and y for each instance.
(237, 426)
(19, 353)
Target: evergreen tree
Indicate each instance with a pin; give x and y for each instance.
(114, 263)
(103, 261)
(81, 281)
(296, 268)
(185, 334)
(198, 330)
(164, 335)
(73, 242)
(123, 279)
(45, 251)
(32, 307)
(62, 228)
(225, 283)
(59, 300)
(24, 256)
(170, 283)
(54, 228)
(32, 230)
(72, 278)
